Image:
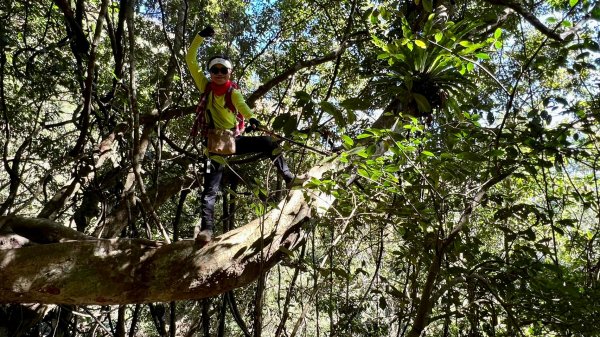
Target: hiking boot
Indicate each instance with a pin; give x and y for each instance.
(204, 236)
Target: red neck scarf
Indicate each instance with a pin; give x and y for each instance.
(220, 90)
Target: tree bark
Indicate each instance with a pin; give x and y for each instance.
(120, 271)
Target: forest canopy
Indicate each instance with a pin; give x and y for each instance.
(452, 149)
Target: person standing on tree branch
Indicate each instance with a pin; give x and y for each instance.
(219, 118)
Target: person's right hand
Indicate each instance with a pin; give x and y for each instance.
(254, 125)
(207, 32)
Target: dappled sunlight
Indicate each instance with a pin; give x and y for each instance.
(22, 285)
(8, 256)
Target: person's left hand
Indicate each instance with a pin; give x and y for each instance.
(208, 31)
(254, 124)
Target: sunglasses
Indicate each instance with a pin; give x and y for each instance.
(215, 70)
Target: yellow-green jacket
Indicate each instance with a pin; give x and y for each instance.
(222, 117)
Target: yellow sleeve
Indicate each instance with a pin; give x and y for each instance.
(240, 104)
(191, 58)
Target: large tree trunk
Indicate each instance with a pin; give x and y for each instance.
(76, 269)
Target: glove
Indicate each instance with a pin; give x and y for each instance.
(207, 32)
(254, 125)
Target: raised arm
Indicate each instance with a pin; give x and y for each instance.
(191, 58)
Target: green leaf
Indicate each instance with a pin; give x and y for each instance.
(572, 3)
(335, 112)
(356, 104)
(421, 44)
(496, 153)
(471, 156)
(406, 30)
(218, 159)
(382, 302)
(362, 172)
(280, 121)
(374, 17)
(596, 12)
(428, 154)
(428, 5)
(422, 102)
(378, 42)
(371, 150)
(341, 273)
(347, 140)
(303, 96)
(439, 37)
(558, 230)
(290, 125)
(561, 100)
(385, 13)
(528, 234)
(392, 168)
(498, 44)
(483, 56)
(350, 116)
(383, 56)
(568, 222)
(498, 33)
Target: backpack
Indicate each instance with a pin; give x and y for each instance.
(200, 123)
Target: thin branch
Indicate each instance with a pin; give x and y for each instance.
(137, 152)
(510, 103)
(83, 175)
(76, 29)
(13, 173)
(97, 321)
(236, 313)
(288, 297)
(424, 307)
(367, 292)
(526, 14)
(89, 83)
(499, 299)
(263, 89)
(465, 216)
(349, 25)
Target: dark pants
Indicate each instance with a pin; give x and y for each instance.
(212, 180)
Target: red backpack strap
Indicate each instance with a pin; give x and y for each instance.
(200, 123)
(228, 99)
(231, 106)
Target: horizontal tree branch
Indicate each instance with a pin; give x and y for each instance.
(119, 271)
(263, 89)
(527, 15)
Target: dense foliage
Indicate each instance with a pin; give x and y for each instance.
(466, 195)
